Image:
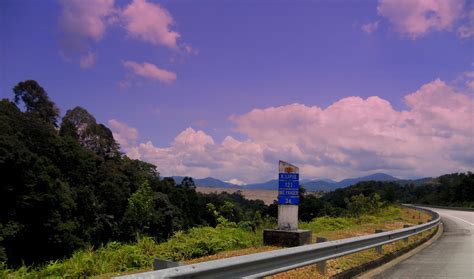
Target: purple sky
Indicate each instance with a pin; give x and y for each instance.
(227, 88)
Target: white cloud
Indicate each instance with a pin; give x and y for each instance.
(415, 18)
(150, 71)
(235, 181)
(370, 27)
(85, 18)
(150, 22)
(83, 21)
(351, 137)
(88, 60)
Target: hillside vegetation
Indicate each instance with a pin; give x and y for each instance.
(198, 243)
(66, 186)
(67, 192)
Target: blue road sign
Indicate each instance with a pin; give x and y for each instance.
(289, 176)
(288, 188)
(294, 200)
(284, 192)
(288, 184)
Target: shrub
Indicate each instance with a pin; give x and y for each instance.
(117, 257)
(198, 242)
(328, 224)
(359, 204)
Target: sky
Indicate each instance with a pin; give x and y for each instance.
(228, 88)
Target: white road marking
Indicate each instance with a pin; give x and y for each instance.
(460, 219)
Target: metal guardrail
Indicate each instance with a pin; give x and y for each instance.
(273, 262)
(446, 207)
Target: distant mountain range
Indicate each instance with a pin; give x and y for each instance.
(324, 184)
(208, 182)
(310, 185)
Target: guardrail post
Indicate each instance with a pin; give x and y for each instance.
(406, 238)
(162, 264)
(379, 249)
(321, 266)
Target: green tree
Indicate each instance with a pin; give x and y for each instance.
(140, 208)
(188, 182)
(357, 204)
(36, 101)
(36, 202)
(61, 191)
(78, 123)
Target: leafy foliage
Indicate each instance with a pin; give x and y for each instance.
(117, 257)
(360, 204)
(68, 189)
(182, 246)
(36, 101)
(198, 242)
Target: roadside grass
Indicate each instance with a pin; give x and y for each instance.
(206, 243)
(390, 218)
(116, 257)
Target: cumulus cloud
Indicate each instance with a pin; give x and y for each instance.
(143, 20)
(415, 18)
(150, 22)
(85, 18)
(351, 137)
(82, 21)
(370, 27)
(150, 71)
(85, 21)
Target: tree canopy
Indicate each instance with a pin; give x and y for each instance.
(36, 101)
(66, 189)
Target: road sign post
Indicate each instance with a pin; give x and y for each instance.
(287, 233)
(288, 196)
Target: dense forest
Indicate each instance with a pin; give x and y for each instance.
(455, 189)
(66, 185)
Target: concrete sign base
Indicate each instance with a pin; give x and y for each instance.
(287, 217)
(286, 238)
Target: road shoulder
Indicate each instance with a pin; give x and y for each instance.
(374, 272)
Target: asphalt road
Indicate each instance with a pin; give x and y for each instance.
(451, 256)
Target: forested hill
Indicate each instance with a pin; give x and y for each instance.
(65, 185)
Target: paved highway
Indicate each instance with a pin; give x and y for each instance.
(451, 256)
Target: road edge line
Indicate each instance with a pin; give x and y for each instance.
(384, 267)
